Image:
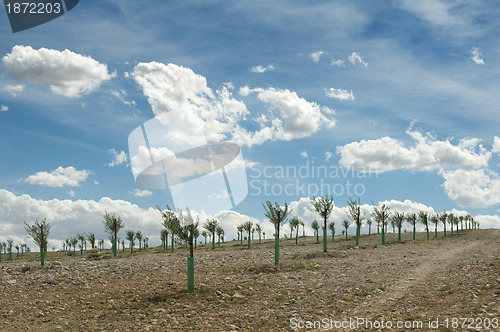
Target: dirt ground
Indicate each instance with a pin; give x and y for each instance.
(439, 281)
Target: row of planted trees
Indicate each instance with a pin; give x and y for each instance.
(278, 216)
(9, 245)
(182, 227)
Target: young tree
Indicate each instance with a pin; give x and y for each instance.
(345, 223)
(240, 233)
(442, 217)
(91, 239)
(219, 231)
(455, 222)
(331, 226)
(74, 242)
(39, 232)
(130, 236)
(412, 219)
(435, 220)
(17, 248)
(123, 245)
(247, 226)
(398, 219)
(258, 228)
(205, 234)
(423, 217)
(171, 223)
(211, 226)
(354, 212)
(303, 228)
(146, 242)
(112, 225)
(81, 238)
(315, 227)
(369, 222)
(323, 207)
(450, 221)
(10, 243)
(100, 243)
(139, 237)
(382, 214)
(278, 216)
(294, 225)
(23, 248)
(164, 238)
(187, 229)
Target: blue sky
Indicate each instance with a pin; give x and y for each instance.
(406, 89)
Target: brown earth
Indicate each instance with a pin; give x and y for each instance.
(241, 289)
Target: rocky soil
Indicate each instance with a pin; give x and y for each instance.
(241, 289)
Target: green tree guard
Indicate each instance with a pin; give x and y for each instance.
(276, 250)
(190, 275)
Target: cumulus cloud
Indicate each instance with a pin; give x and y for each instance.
(14, 89)
(171, 87)
(339, 94)
(304, 154)
(60, 177)
(298, 117)
(118, 157)
(4, 108)
(262, 69)
(427, 154)
(316, 56)
(328, 155)
(142, 193)
(356, 59)
(473, 188)
(477, 56)
(71, 193)
(496, 145)
(65, 72)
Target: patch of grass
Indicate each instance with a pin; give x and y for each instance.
(279, 298)
(300, 266)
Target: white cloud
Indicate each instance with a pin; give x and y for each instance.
(261, 69)
(428, 154)
(356, 59)
(316, 56)
(435, 12)
(486, 221)
(473, 188)
(328, 155)
(496, 145)
(121, 94)
(70, 217)
(96, 182)
(60, 177)
(14, 89)
(67, 73)
(4, 108)
(71, 193)
(118, 157)
(304, 154)
(338, 62)
(171, 87)
(477, 56)
(339, 94)
(142, 193)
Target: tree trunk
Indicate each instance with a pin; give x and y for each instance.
(413, 232)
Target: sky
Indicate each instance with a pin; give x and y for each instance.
(391, 102)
